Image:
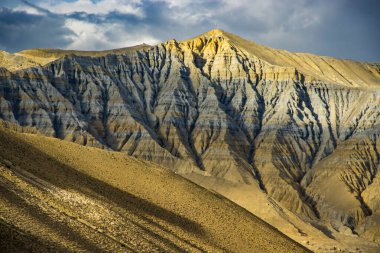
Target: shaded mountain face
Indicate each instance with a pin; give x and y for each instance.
(302, 128)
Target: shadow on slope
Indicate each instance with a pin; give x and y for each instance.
(17, 241)
(49, 169)
(13, 240)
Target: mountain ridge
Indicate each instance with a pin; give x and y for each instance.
(44, 56)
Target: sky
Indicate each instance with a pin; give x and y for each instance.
(348, 29)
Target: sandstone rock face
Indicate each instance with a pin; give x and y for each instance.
(303, 128)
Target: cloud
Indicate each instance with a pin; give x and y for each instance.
(21, 30)
(28, 10)
(94, 7)
(340, 28)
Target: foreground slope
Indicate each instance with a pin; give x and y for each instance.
(58, 196)
(297, 131)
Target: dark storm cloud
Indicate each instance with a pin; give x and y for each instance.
(340, 28)
(21, 30)
(352, 31)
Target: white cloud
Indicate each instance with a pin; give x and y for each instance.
(89, 36)
(29, 10)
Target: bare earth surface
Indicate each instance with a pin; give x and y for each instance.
(61, 197)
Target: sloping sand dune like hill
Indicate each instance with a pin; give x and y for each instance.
(42, 56)
(14, 62)
(57, 197)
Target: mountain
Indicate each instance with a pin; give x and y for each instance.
(291, 137)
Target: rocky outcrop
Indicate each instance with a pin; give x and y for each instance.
(304, 128)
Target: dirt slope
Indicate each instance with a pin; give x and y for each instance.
(61, 197)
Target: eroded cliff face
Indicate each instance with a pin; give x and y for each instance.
(301, 127)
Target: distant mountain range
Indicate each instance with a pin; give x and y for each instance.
(291, 137)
